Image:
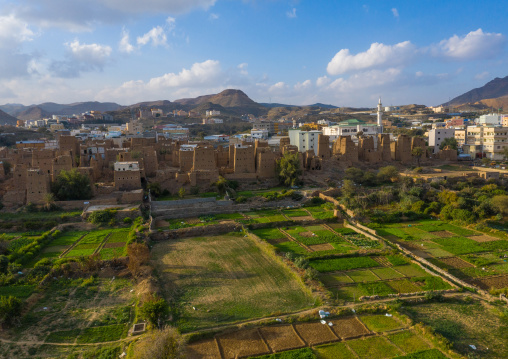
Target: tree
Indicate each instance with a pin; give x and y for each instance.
(160, 344)
(450, 142)
(288, 170)
(505, 153)
(155, 310)
(49, 201)
(417, 152)
(500, 203)
(138, 254)
(10, 310)
(181, 192)
(71, 185)
(388, 173)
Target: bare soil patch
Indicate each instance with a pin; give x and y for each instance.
(114, 245)
(193, 220)
(349, 328)
(161, 223)
(306, 234)
(303, 218)
(203, 350)
(281, 338)
(443, 234)
(456, 262)
(321, 247)
(498, 282)
(483, 238)
(278, 240)
(316, 333)
(242, 343)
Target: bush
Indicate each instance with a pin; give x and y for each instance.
(160, 344)
(10, 310)
(103, 216)
(155, 311)
(127, 220)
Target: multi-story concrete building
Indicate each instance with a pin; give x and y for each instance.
(438, 135)
(259, 134)
(486, 141)
(304, 140)
(351, 128)
(490, 119)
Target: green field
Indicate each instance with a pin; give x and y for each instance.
(341, 264)
(226, 278)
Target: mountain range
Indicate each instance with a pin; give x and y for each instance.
(493, 94)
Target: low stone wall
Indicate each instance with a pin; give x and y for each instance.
(366, 229)
(360, 231)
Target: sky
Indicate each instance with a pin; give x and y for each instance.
(344, 53)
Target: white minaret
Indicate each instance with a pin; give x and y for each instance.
(380, 116)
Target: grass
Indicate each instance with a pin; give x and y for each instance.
(19, 291)
(225, 216)
(387, 273)
(411, 270)
(67, 238)
(375, 288)
(334, 279)
(118, 236)
(334, 351)
(268, 233)
(290, 247)
(362, 276)
(20, 242)
(408, 341)
(227, 278)
(63, 336)
(431, 283)
(459, 245)
(107, 333)
(295, 213)
(465, 323)
(341, 264)
(380, 323)
(404, 286)
(80, 252)
(304, 353)
(27, 216)
(110, 253)
(373, 347)
(95, 237)
(320, 212)
(425, 354)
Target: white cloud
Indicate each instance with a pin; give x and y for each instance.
(278, 87)
(13, 29)
(301, 86)
(243, 68)
(13, 33)
(169, 6)
(482, 76)
(322, 81)
(213, 16)
(419, 73)
(476, 44)
(81, 58)
(125, 45)
(395, 13)
(91, 53)
(367, 79)
(377, 56)
(157, 36)
(291, 13)
(365, 8)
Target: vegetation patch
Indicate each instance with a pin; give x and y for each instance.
(408, 341)
(107, 333)
(374, 347)
(342, 264)
(381, 323)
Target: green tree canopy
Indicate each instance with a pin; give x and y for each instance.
(71, 185)
(288, 170)
(10, 309)
(451, 142)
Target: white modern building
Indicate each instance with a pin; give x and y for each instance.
(304, 140)
(490, 119)
(438, 135)
(259, 134)
(351, 128)
(212, 113)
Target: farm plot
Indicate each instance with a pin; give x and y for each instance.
(296, 214)
(226, 278)
(408, 341)
(381, 323)
(264, 216)
(342, 264)
(90, 309)
(374, 347)
(496, 282)
(316, 333)
(464, 323)
(271, 235)
(347, 328)
(334, 351)
(320, 212)
(280, 338)
(115, 245)
(242, 343)
(203, 350)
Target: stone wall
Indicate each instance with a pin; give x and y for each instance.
(196, 231)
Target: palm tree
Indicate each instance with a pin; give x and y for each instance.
(417, 152)
(49, 201)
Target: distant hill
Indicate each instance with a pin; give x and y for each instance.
(491, 90)
(272, 105)
(33, 113)
(51, 108)
(322, 105)
(496, 103)
(12, 108)
(6, 119)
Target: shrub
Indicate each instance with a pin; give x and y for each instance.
(160, 344)
(155, 311)
(103, 216)
(10, 310)
(127, 220)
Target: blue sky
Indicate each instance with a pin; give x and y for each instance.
(345, 53)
